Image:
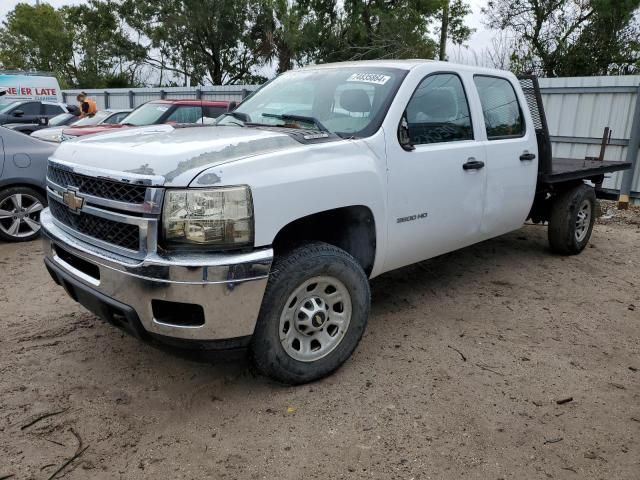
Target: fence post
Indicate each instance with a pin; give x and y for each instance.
(198, 94)
(632, 157)
(106, 99)
(131, 99)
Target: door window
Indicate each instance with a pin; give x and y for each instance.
(185, 114)
(500, 107)
(52, 109)
(30, 108)
(438, 111)
(116, 118)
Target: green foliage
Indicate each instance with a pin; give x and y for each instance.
(379, 29)
(104, 43)
(569, 37)
(36, 38)
(84, 46)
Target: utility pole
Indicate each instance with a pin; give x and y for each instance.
(444, 30)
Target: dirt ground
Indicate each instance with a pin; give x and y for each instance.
(459, 375)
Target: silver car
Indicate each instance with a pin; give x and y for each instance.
(23, 169)
(108, 116)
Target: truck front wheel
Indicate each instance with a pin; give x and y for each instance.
(572, 217)
(313, 314)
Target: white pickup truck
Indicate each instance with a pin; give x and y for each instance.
(264, 230)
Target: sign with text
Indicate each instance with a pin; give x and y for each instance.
(28, 87)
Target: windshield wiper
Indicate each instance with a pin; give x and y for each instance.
(243, 117)
(302, 118)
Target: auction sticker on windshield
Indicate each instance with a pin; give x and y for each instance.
(376, 78)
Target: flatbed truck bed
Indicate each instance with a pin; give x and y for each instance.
(570, 169)
(554, 172)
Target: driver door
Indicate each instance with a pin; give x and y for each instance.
(437, 187)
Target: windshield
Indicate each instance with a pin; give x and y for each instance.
(60, 119)
(147, 114)
(94, 119)
(7, 107)
(350, 102)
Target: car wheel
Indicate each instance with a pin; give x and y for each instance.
(20, 209)
(313, 314)
(572, 217)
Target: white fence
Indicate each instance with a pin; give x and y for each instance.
(578, 110)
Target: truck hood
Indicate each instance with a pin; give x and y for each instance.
(168, 156)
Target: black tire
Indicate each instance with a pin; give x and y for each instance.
(288, 273)
(5, 223)
(563, 237)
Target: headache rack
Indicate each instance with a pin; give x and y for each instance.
(554, 170)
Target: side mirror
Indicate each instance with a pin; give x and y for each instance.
(17, 113)
(403, 134)
(232, 106)
(43, 121)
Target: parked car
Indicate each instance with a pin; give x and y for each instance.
(157, 112)
(23, 168)
(110, 116)
(62, 120)
(264, 229)
(30, 111)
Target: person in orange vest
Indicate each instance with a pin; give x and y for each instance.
(88, 106)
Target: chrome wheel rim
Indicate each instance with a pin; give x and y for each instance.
(20, 215)
(583, 220)
(315, 318)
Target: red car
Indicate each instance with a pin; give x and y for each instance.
(157, 112)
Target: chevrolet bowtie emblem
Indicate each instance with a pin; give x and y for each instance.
(71, 200)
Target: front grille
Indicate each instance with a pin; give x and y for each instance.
(116, 233)
(98, 187)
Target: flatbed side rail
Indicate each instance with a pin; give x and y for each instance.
(531, 89)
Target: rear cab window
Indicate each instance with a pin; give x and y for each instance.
(500, 107)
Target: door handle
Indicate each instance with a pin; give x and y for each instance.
(527, 157)
(473, 164)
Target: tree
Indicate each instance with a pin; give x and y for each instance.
(293, 32)
(554, 37)
(203, 40)
(36, 38)
(451, 17)
(379, 29)
(611, 42)
(84, 46)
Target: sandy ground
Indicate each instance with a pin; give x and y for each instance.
(458, 376)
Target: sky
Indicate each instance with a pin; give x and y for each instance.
(480, 39)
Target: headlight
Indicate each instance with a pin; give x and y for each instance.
(222, 217)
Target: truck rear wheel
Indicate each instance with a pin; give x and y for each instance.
(572, 217)
(313, 314)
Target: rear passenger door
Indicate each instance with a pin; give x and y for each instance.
(510, 144)
(436, 190)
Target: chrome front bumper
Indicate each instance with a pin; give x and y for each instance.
(228, 287)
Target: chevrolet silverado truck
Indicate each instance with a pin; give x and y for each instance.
(264, 229)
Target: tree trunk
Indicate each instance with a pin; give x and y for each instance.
(444, 31)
